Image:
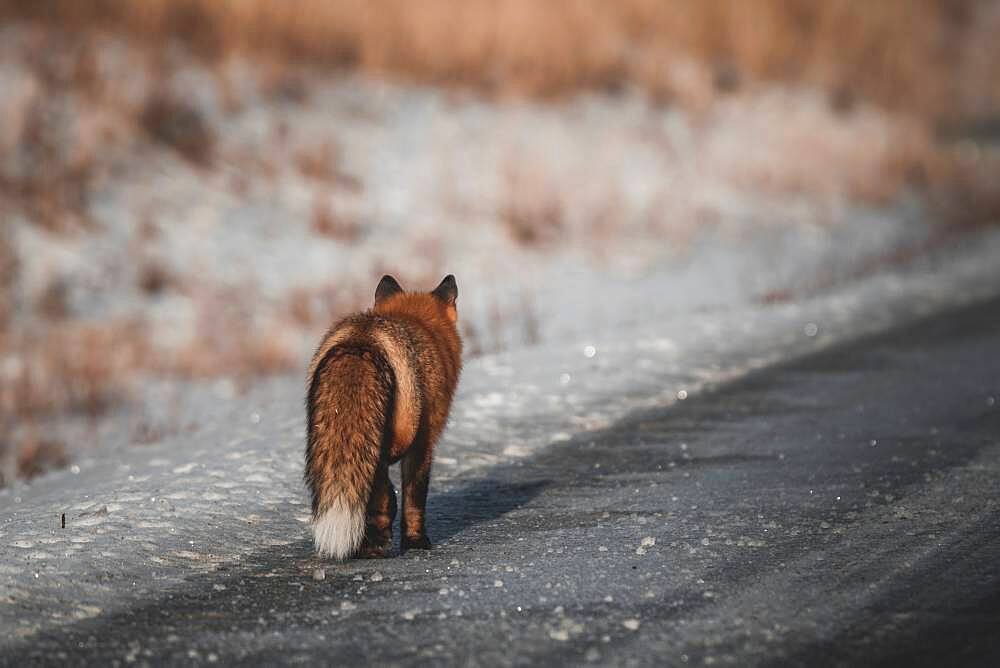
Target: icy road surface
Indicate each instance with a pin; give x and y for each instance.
(613, 501)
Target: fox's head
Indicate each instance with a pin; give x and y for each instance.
(390, 297)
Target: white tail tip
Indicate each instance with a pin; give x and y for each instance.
(339, 530)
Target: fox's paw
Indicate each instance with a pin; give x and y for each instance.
(421, 542)
(376, 544)
(367, 551)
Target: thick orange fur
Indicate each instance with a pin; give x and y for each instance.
(380, 389)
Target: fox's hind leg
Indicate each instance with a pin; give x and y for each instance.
(416, 469)
(380, 515)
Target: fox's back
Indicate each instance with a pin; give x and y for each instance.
(423, 352)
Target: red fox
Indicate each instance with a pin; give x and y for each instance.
(380, 388)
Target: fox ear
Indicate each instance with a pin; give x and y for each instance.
(387, 287)
(447, 290)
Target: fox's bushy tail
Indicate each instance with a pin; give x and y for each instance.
(348, 407)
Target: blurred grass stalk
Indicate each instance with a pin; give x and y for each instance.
(932, 58)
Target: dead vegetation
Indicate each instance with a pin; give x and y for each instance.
(863, 155)
(318, 163)
(36, 456)
(78, 367)
(530, 210)
(328, 222)
(47, 173)
(930, 60)
(155, 279)
(928, 56)
(10, 265)
(961, 184)
(84, 367)
(70, 121)
(321, 163)
(179, 125)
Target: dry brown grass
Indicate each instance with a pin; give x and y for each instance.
(318, 162)
(813, 150)
(70, 366)
(961, 184)
(55, 146)
(10, 266)
(58, 366)
(36, 456)
(179, 125)
(328, 222)
(931, 56)
(73, 366)
(321, 163)
(228, 340)
(154, 278)
(509, 324)
(245, 357)
(531, 211)
(43, 176)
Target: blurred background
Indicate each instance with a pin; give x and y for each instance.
(192, 190)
